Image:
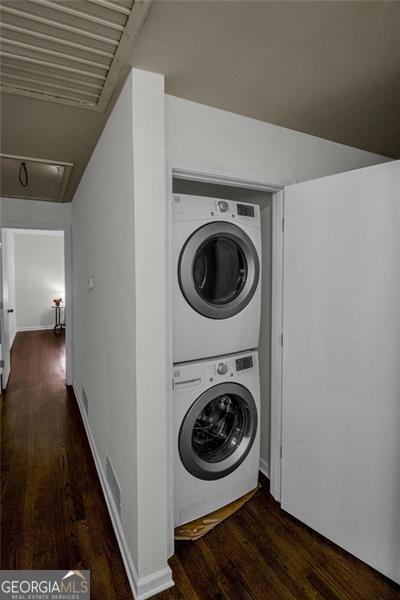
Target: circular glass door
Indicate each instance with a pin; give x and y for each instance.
(218, 270)
(218, 431)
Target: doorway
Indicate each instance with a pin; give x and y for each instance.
(35, 292)
(184, 179)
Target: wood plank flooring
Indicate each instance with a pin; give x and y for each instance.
(53, 514)
(262, 553)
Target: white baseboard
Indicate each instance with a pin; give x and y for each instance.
(12, 339)
(35, 328)
(264, 467)
(142, 587)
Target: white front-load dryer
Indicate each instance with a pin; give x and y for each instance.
(216, 405)
(216, 276)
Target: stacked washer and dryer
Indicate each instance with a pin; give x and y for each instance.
(216, 323)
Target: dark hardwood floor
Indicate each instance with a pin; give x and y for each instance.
(53, 514)
(262, 553)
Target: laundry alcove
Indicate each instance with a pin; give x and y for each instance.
(264, 199)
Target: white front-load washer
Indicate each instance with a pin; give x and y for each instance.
(216, 406)
(216, 276)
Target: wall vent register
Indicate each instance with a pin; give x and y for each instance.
(65, 51)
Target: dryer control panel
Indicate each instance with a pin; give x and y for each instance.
(246, 362)
(234, 210)
(193, 208)
(245, 210)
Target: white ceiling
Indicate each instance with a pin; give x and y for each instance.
(63, 63)
(331, 69)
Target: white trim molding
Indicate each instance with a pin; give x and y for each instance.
(67, 230)
(207, 173)
(12, 340)
(264, 467)
(277, 342)
(35, 328)
(142, 587)
(214, 174)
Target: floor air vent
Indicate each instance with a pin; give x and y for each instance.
(66, 51)
(114, 485)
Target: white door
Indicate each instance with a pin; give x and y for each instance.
(341, 361)
(4, 312)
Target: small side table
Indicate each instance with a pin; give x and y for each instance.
(58, 323)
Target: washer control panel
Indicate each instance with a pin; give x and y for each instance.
(221, 369)
(226, 368)
(229, 367)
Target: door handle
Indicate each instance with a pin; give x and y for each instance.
(10, 310)
(187, 382)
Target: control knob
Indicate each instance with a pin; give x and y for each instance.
(223, 206)
(222, 369)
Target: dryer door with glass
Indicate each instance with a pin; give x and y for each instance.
(218, 431)
(218, 270)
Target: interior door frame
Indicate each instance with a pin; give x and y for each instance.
(3, 318)
(206, 173)
(67, 230)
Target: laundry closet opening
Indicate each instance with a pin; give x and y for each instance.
(199, 251)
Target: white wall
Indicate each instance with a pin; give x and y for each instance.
(10, 270)
(232, 144)
(119, 231)
(15, 211)
(39, 277)
(119, 240)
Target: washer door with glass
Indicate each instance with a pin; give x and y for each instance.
(218, 270)
(218, 431)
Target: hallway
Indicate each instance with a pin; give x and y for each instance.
(53, 514)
